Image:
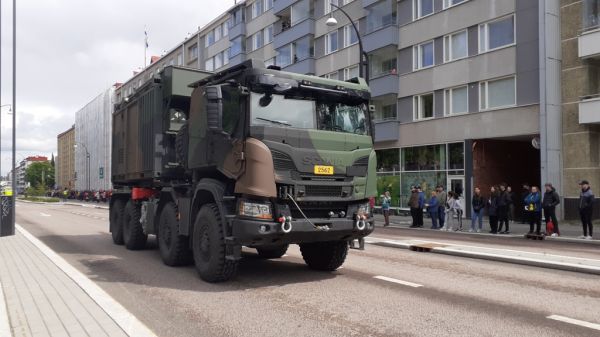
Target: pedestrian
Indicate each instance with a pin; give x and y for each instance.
(433, 209)
(413, 203)
(549, 202)
(503, 202)
(525, 192)
(493, 210)
(457, 208)
(478, 204)
(386, 202)
(454, 211)
(586, 203)
(421, 207)
(442, 198)
(533, 210)
(511, 206)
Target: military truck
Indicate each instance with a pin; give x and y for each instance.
(250, 156)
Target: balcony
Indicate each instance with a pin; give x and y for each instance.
(387, 130)
(589, 44)
(380, 38)
(384, 85)
(280, 5)
(237, 59)
(295, 32)
(589, 109)
(237, 30)
(367, 3)
(306, 66)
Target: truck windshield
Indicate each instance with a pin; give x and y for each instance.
(276, 110)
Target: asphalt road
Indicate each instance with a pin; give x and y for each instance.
(454, 297)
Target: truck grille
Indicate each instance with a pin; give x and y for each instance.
(323, 191)
(362, 161)
(317, 210)
(282, 161)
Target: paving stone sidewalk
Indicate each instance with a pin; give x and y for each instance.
(41, 300)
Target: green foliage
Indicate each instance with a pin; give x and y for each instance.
(40, 173)
(388, 183)
(39, 190)
(40, 199)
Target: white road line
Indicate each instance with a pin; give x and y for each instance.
(44, 214)
(393, 280)
(575, 322)
(127, 321)
(4, 320)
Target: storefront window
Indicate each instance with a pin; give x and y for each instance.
(388, 160)
(427, 180)
(456, 156)
(424, 158)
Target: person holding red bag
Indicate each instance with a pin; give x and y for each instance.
(549, 202)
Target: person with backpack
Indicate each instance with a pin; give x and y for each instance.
(533, 208)
(478, 204)
(493, 210)
(433, 209)
(413, 203)
(549, 202)
(586, 204)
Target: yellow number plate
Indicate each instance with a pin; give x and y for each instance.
(324, 170)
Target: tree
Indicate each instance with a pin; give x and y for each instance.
(40, 174)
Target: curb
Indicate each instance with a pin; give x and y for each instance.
(5, 329)
(84, 205)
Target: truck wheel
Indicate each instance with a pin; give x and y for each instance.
(272, 252)
(208, 246)
(116, 221)
(173, 247)
(326, 256)
(133, 233)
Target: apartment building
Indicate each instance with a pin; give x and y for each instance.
(580, 70)
(65, 160)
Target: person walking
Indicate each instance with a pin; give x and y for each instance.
(549, 202)
(478, 204)
(533, 210)
(493, 210)
(386, 202)
(413, 203)
(421, 207)
(586, 204)
(511, 206)
(442, 198)
(433, 209)
(503, 202)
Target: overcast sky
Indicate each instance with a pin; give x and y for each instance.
(68, 51)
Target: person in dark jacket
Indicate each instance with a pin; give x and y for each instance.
(432, 208)
(413, 203)
(511, 206)
(586, 204)
(549, 202)
(493, 210)
(478, 204)
(421, 207)
(533, 209)
(503, 202)
(525, 192)
(442, 198)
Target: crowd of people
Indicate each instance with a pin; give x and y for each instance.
(88, 196)
(446, 209)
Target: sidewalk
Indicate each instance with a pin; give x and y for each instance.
(45, 296)
(568, 232)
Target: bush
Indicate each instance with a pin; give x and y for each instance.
(39, 190)
(40, 199)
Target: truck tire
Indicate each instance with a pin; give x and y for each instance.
(173, 247)
(208, 246)
(272, 252)
(133, 233)
(117, 215)
(325, 256)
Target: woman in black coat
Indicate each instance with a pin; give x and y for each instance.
(493, 209)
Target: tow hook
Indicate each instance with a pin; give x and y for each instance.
(286, 223)
(360, 222)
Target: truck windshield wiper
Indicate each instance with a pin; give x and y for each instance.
(274, 121)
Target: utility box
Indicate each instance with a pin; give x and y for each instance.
(6, 215)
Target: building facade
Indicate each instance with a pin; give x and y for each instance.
(65, 160)
(21, 171)
(92, 144)
(580, 74)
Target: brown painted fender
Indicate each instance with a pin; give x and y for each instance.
(259, 175)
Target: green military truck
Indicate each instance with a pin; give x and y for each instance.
(251, 156)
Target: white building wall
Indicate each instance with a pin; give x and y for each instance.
(93, 128)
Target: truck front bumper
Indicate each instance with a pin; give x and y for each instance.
(249, 232)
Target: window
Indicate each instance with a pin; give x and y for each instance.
(423, 106)
(193, 52)
(268, 5)
(224, 29)
(284, 56)
(302, 49)
(383, 62)
(270, 62)
(331, 42)
(450, 3)
(236, 17)
(218, 31)
(180, 59)
(226, 57)
(257, 40)
(331, 76)
(456, 100)
(422, 8)
(591, 14)
(268, 34)
(497, 93)
(381, 15)
(209, 39)
(209, 64)
(350, 72)
(388, 112)
(423, 55)
(300, 11)
(237, 46)
(497, 34)
(219, 60)
(455, 46)
(350, 36)
(257, 8)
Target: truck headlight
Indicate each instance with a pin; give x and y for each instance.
(256, 210)
(364, 209)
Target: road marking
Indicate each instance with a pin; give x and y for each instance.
(127, 321)
(575, 322)
(44, 214)
(4, 319)
(284, 255)
(393, 280)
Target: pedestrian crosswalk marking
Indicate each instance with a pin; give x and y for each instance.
(393, 280)
(575, 321)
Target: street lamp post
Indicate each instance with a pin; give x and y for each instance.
(9, 110)
(87, 156)
(364, 57)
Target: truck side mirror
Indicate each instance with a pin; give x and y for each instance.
(214, 107)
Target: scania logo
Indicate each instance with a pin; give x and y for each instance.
(316, 160)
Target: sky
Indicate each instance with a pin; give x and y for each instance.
(69, 51)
